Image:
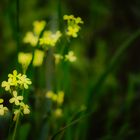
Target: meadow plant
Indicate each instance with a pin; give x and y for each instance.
(41, 41)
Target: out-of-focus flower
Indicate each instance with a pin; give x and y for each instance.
(38, 27)
(49, 38)
(16, 99)
(60, 97)
(49, 94)
(3, 109)
(1, 100)
(38, 58)
(24, 59)
(58, 58)
(70, 56)
(31, 39)
(58, 112)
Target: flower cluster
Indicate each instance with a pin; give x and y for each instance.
(15, 83)
(16, 80)
(48, 39)
(58, 99)
(73, 25)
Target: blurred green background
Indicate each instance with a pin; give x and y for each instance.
(106, 77)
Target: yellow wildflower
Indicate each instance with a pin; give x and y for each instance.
(73, 30)
(50, 38)
(73, 25)
(25, 107)
(58, 58)
(68, 17)
(38, 27)
(6, 84)
(31, 39)
(54, 97)
(38, 58)
(58, 112)
(16, 99)
(60, 97)
(24, 81)
(70, 56)
(24, 59)
(49, 94)
(2, 109)
(1, 100)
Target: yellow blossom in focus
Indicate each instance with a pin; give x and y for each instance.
(73, 25)
(16, 80)
(31, 39)
(16, 99)
(73, 30)
(2, 109)
(70, 56)
(58, 58)
(38, 58)
(25, 107)
(24, 59)
(24, 81)
(6, 84)
(1, 100)
(58, 112)
(38, 27)
(50, 38)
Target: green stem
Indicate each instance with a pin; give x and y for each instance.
(15, 129)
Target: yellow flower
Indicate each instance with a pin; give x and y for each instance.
(24, 59)
(50, 38)
(54, 97)
(70, 56)
(16, 99)
(60, 97)
(6, 84)
(24, 81)
(38, 27)
(68, 17)
(49, 94)
(73, 25)
(31, 39)
(25, 107)
(16, 114)
(58, 112)
(38, 58)
(78, 20)
(2, 110)
(1, 100)
(58, 58)
(73, 30)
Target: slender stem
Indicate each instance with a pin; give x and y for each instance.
(15, 129)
